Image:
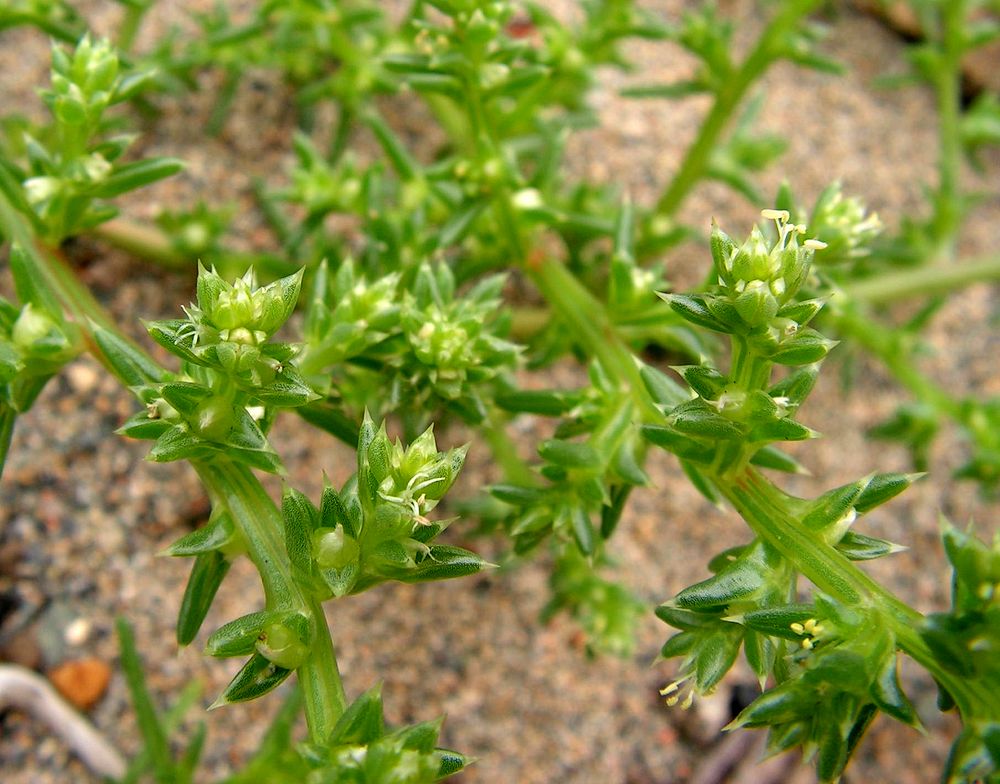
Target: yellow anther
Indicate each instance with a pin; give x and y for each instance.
(817, 630)
(810, 626)
(669, 689)
(814, 244)
(807, 643)
(671, 701)
(778, 215)
(798, 628)
(688, 700)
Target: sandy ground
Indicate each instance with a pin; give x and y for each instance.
(81, 513)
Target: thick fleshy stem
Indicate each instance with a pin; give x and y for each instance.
(763, 506)
(260, 524)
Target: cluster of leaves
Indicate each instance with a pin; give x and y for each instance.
(56, 17)
(967, 641)
(734, 417)
(36, 341)
(233, 379)
(72, 164)
(411, 337)
(360, 749)
(833, 663)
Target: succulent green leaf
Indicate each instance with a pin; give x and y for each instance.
(882, 488)
(760, 652)
(300, 518)
(443, 562)
(341, 582)
(239, 637)
(517, 495)
(362, 722)
(783, 703)
(570, 454)
(708, 382)
(714, 655)
(287, 390)
(663, 389)
(782, 429)
(172, 335)
(626, 465)
(207, 574)
(796, 386)
(178, 443)
(859, 547)
(889, 695)
(186, 397)
(777, 621)
(257, 678)
(802, 312)
(544, 402)
(702, 483)
(833, 506)
(135, 175)
(679, 645)
(141, 426)
(681, 445)
(803, 348)
(582, 528)
(216, 534)
(130, 364)
(333, 512)
(248, 444)
(773, 458)
(694, 308)
(741, 580)
(697, 418)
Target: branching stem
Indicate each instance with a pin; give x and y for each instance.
(727, 100)
(234, 486)
(764, 508)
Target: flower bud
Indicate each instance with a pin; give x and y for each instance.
(282, 644)
(334, 549)
(214, 418)
(234, 308)
(32, 326)
(756, 305)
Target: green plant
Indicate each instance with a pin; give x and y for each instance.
(406, 319)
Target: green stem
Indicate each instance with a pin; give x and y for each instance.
(223, 102)
(143, 241)
(588, 319)
(884, 343)
(580, 310)
(235, 486)
(727, 100)
(947, 83)
(129, 28)
(505, 451)
(7, 417)
(261, 525)
(923, 281)
(763, 507)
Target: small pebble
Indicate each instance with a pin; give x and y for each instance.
(82, 682)
(78, 631)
